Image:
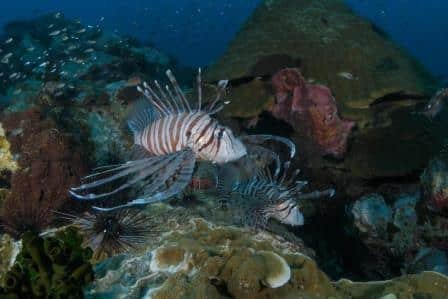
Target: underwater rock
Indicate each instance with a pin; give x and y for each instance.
(49, 163)
(372, 215)
(376, 84)
(325, 40)
(429, 259)
(310, 107)
(405, 214)
(106, 136)
(434, 181)
(51, 267)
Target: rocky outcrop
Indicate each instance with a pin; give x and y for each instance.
(375, 83)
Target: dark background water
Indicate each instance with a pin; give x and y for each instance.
(197, 31)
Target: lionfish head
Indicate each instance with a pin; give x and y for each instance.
(230, 148)
(287, 212)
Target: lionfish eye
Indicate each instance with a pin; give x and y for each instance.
(220, 133)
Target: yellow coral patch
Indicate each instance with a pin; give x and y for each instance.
(6, 160)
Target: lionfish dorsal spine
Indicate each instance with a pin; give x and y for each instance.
(180, 94)
(199, 88)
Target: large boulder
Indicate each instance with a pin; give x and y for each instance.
(375, 84)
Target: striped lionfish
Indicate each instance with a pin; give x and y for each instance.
(172, 136)
(270, 195)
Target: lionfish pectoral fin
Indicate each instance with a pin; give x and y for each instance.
(132, 204)
(138, 152)
(259, 150)
(258, 139)
(318, 194)
(166, 182)
(133, 171)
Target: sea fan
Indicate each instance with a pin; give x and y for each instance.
(110, 233)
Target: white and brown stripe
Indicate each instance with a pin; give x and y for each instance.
(196, 130)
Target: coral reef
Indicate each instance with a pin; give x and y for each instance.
(201, 260)
(51, 267)
(397, 238)
(372, 215)
(81, 74)
(310, 107)
(49, 164)
(65, 95)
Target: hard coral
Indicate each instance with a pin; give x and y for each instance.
(311, 108)
(49, 165)
(54, 267)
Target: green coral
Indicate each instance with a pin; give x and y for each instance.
(51, 267)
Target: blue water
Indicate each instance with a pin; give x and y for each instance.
(198, 31)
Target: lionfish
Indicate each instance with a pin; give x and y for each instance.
(171, 136)
(270, 195)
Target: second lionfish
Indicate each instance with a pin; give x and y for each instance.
(172, 136)
(266, 195)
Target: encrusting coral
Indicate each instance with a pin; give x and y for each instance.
(50, 267)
